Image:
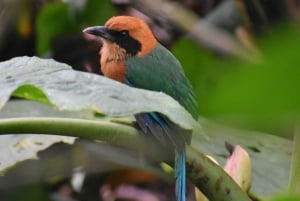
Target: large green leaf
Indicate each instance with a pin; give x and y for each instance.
(49, 81)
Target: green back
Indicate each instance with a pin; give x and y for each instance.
(161, 71)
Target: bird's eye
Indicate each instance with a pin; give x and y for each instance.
(124, 33)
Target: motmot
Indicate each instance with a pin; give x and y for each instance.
(132, 55)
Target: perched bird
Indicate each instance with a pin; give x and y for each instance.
(132, 55)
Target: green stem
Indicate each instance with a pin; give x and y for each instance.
(294, 183)
(101, 130)
(211, 179)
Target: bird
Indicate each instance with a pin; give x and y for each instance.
(132, 55)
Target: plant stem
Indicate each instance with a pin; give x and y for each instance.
(294, 183)
(101, 130)
(211, 179)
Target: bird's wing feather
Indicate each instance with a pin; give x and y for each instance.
(161, 71)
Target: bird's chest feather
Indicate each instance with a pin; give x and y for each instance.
(113, 61)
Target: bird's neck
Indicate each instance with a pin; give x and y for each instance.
(113, 61)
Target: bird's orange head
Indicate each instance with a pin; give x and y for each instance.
(131, 34)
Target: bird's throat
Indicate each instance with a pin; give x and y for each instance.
(113, 61)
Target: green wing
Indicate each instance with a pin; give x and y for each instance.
(161, 71)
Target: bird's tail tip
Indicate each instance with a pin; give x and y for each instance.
(180, 175)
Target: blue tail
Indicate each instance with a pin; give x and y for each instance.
(168, 133)
(180, 175)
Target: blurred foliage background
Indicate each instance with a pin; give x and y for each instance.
(241, 56)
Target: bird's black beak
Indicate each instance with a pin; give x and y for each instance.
(101, 31)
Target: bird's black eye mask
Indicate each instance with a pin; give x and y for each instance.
(124, 40)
